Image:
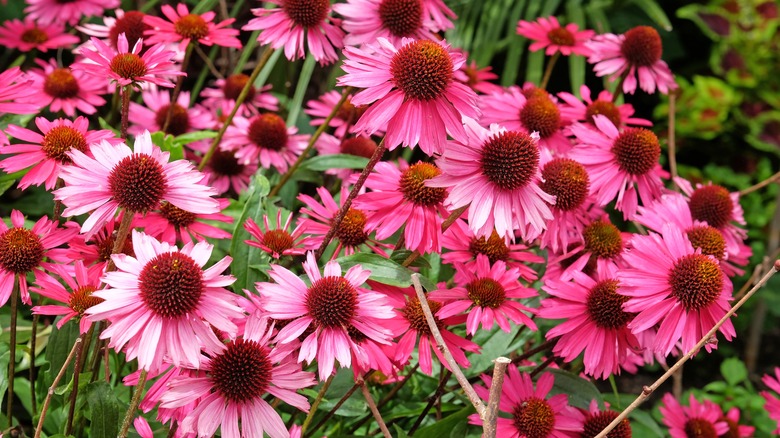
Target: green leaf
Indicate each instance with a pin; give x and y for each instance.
(190, 137)
(400, 255)
(733, 370)
(493, 345)
(5, 359)
(105, 125)
(399, 433)
(579, 390)
(5, 185)
(105, 408)
(446, 427)
(300, 90)
(643, 425)
(60, 343)
(655, 12)
(383, 270)
(245, 256)
(321, 163)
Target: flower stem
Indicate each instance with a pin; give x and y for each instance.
(313, 409)
(380, 150)
(374, 410)
(33, 347)
(76, 347)
(431, 400)
(708, 337)
(126, 90)
(548, 70)
(670, 139)
(491, 416)
(239, 101)
(130, 414)
(177, 88)
(75, 391)
(12, 352)
(760, 185)
(287, 175)
(341, 401)
(121, 237)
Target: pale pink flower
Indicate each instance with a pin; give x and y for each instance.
(399, 198)
(152, 114)
(412, 92)
(47, 152)
(81, 283)
(497, 173)
(136, 180)
(702, 418)
(15, 90)
(266, 136)
(173, 225)
(184, 27)
(279, 242)
(620, 164)
(237, 378)
(125, 66)
(162, 303)
(228, 89)
(541, 414)
(22, 251)
(584, 110)
(296, 21)
(547, 33)
(70, 12)
(487, 294)
(675, 287)
(332, 306)
(595, 321)
(772, 405)
(62, 89)
(29, 35)
(634, 53)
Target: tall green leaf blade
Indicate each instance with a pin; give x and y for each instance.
(60, 343)
(106, 410)
(245, 257)
(300, 90)
(655, 12)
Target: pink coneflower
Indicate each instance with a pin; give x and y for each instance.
(620, 164)
(772, 405)
(353, 231)
(62, 89)
(399, 198)
(70, 12)
(15, 89)
(48, 151)
(547, 33)
(718, 207)
(295, 21)
(367, 20)
(584, 110)
(464, 247)
(672, 208)
(154, 112)
(595, 321)
(697, 419)
(130, 23)
(412, 91)
(736, 430)
(528, 110)
(23, 250)
(533, 414)
(225, 172)
(497, 172)
(477, 78)
(409, 323)
(135, 180)
(487, 294)
(266, 136)
(358, 146)
(670, 284)
(127, 67)
(98, 248)
(184, 27)
(29, 35)
(171, 224)
(228, 90)
(279, 241)
(634, 53)
(238, 377)
(332, 306)
(163, 304)
(596, 420)
(77, 298)
(600, 243)
(345, 118)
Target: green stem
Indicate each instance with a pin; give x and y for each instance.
(121, 236)
(177, 88)
(50, 393)
(75, 392)
(548, 70)
(126, 90)
(12, 352)
(315, 405)
(136, 400)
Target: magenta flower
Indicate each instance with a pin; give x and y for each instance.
(154, 111)
(29, 35)
(335, 307)
(135, 180)
(48, 151)
(81, 282)
(698, 419)
(279, 242)
(15, 91)
(497, 172)
(620, 164)
(399, 198)
(671, 285)
(595, 321)
(125, 66)
(98, 248)
(237, 378)
(162, 303)
(184, 27)
(130, 23)
(228, 90)
(547, 33)
(636, 53)
(367, 20)
(736, 430)
(226, 173)
(596, 420)
(295, 21)
(584, 110)
(478, 79)
(600, 244)
(70, 12)
(23, 250)
(266, 136)
(62, 89)
(345, 118)
(412, 91)
(487, 294)
(532, 412)
(772, 405)
(358, 146)
(171, 224)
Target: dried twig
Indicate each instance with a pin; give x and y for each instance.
(491, 416)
